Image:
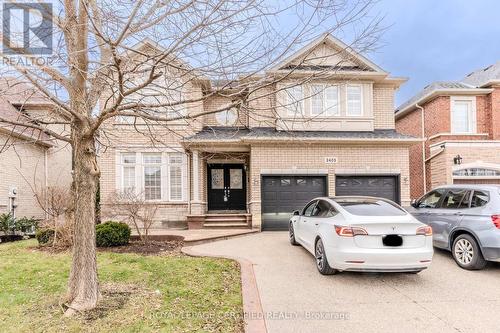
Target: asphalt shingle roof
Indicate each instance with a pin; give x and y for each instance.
(482, 76)
(236, 133)
(432, 87)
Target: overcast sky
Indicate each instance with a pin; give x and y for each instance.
(437, 40)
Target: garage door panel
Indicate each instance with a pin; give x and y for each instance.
(281, 195)
(288, 195)
(375, 186)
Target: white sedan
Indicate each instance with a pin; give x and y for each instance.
(362, 234)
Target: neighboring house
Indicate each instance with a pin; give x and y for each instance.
(461, 127)
(30, 160)
(300, 139)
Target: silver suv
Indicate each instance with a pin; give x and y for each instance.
(465, 220)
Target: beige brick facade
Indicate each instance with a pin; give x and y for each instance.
(23, 167)
(385, 156)
(309, 159)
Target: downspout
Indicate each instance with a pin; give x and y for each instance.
(45, 162)
(422, 122)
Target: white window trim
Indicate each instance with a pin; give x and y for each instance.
(361, 100)
(288, 102)
(323, 88)
(472, 113)
(162, 177)
(165, 173)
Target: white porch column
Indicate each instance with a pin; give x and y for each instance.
(196, 176)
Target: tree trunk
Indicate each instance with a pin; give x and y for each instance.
(83, 289)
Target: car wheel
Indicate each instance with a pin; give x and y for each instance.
(467, 253)
(291, 235)
(321, 260)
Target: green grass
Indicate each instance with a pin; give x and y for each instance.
(140, 293)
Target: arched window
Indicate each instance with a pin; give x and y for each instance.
(478, 169)
(477, 172)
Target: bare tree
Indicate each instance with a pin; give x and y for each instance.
(56, 202)
(98, 73)
(133, 209)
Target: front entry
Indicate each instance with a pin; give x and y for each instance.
(226, 187)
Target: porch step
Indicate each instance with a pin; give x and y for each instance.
(227, 221)
(223, 225)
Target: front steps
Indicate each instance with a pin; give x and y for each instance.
(223, 221)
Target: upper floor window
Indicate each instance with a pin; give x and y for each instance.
(227, 117)
(354, 100)
(294, 100)
(324, 100)
(462, 115)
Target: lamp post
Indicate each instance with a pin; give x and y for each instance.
(457, 160)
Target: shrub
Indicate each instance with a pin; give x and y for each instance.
(112, 234)
(45, 236)
(7, 223)
(26, 225)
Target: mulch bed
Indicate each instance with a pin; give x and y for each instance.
(151, 248)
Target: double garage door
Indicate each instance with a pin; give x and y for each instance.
(281, 195)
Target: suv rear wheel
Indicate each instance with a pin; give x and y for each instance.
(467, 253)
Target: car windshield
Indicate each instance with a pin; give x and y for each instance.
(369, 207)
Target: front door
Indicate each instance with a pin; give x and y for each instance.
(226, 187)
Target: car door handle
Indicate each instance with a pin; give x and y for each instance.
(459, 214)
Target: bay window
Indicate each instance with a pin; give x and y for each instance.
(128, 172)
(354, 100)
(294, 100)
(153, 175)
(175, 174)
(324, 100)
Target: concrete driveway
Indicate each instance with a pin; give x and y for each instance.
(296, 298)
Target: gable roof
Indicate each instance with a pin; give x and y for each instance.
(485, 76)
(475, 83)
(146, 43)
(364, 63)
(9, 112)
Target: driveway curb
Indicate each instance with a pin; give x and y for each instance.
(253, 314)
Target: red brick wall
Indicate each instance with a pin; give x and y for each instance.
(412, 125)
(438, 120)
(494, 104)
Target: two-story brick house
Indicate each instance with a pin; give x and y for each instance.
(30, 160)
(460, 122)
(305, 136)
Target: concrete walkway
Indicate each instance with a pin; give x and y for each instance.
(296, 298)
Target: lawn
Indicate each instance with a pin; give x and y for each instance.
(171, 293)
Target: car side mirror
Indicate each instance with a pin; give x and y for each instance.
(296, 213)
(414, 203)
